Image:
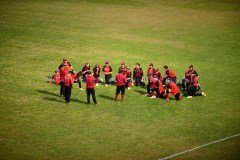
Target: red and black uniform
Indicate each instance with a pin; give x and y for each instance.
(174, 90)
(96, 73)
(90, 81)
(137, 76)
(63, 73)
(187, 78)
(129, 76)
(193, 85)
(107, 70)
(120, 81)
(170, 74)
(160, 89)
(68, 82)
(68, 65)
(124, 70)
(85, 69)
(150, 72)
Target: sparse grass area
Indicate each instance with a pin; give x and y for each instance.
(35, 122)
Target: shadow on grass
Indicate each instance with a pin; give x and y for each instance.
(79, 101)
(52, 99)
(140, 92)
(47, 92)
(106, 97)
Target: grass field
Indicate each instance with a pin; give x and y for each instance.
(35, 123)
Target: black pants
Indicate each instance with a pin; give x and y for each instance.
(191, 90)
(148, 88)
(62, 89)
(92, 92)
(68, 91)
(107, 78)
(120, 89)
(177, 96)
(138, 81)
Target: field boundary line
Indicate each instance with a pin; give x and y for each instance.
(195, 148)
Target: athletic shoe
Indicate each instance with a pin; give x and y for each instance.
(204, 94)
(81, 89)
(146, 95)
(167, 99)
(189, 96)
(96, 84)
(128, 88)
(153, 97)
(106, 85)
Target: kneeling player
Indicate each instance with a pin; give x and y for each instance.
(173, 89)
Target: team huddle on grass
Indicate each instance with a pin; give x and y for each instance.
(158, 85)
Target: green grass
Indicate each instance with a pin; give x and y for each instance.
(35, 123)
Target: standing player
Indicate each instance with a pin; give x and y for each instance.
(96, 74)
(90, 81)
(107, 71)
(150, 72)
(120, 81)
(68, 82)
(138, 75)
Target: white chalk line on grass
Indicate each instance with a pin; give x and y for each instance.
(207, 144)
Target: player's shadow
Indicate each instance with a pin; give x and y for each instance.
(78, 101)
(47, 92)
(52, 99)
(140, 92)
(106, 97)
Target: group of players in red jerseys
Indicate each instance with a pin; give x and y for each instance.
(158, 85)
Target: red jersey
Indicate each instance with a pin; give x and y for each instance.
(170, 73)
(160, 86)
(153, 82)
(151, 71)
(137, 72)
(68, 81)
(194, 81)
(90, 81)
(57, 78)
(120, 79)
(174, 88)
(107, 70)
(63, 73)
